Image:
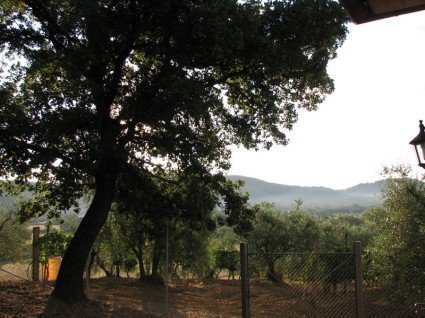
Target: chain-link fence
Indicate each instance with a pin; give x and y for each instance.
(310, 285)
(321, 285)
(384, 297)
(278, 285)
(16, 270)
(21, 265)
(18, 264)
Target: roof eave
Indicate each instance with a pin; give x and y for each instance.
(360, 12)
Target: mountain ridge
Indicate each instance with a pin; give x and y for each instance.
(363, 194)
(319, 198)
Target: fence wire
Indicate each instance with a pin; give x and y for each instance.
(384, 298)
(314, 285)
(309, 285)
(19, 268)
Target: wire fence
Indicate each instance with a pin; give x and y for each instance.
(288, 285)
(311, 285)
(384, 297)
(15, 270)
(322, 285)
(22, 270)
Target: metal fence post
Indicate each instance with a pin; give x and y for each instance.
(244, 280)
(167, 265)
(35, 254)
(87, 280)
(359, 279)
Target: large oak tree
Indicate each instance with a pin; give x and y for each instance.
(91, 87)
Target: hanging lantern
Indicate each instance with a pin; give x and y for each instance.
(419, 142)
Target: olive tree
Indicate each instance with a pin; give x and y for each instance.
(276, 232)
(396, 251)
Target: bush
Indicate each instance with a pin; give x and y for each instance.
(53, 244)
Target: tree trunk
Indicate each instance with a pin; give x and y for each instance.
(141, 267)
(139, 255)
(69, 286)
(92, 257)
(271, 274)
(102, 266)
(3, 222)
(156, 258)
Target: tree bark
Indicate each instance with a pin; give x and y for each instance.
(92, 257)
(102, 266)
(3, 222)
(69, 286)
(139, 255)
(271, 274)
(156, 258)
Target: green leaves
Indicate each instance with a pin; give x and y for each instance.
(226, 260)
(53, 244)
(278, 232)
(396, 256)
(156, 83)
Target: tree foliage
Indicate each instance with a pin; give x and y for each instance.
(338, 232)
(53, 244)
(184, 202)
(110, 252)
(396, 251)
(275, 233)
(135, 81)
(226, 260)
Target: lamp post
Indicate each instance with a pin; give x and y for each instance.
(419, 141)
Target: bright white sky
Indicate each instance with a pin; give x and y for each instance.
(366, 123)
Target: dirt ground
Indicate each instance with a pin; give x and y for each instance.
(127, 298)
(114, 297)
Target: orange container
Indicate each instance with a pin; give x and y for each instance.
(51, 271)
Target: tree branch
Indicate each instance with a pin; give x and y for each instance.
(119, 65)
(52, 151)
(47, 19)
(226, 77)
(3, 222)
(151, 174)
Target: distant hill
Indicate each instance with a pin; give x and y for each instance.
(321, 199)
(364, 194)
(7, 201)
